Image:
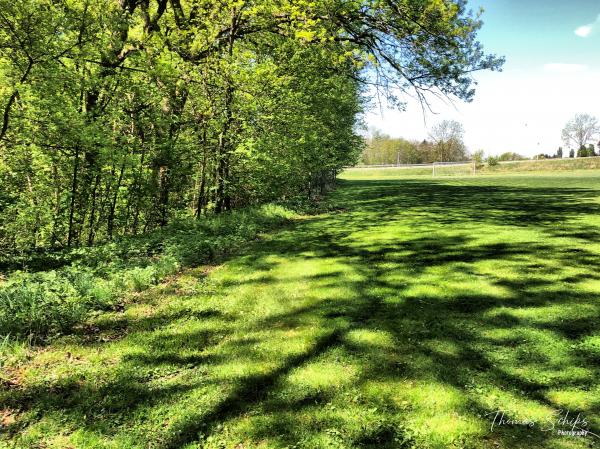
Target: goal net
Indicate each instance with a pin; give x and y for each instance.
(464, 168)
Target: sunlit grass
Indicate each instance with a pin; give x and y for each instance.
(406, 317)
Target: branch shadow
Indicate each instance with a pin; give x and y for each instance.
(407, 322)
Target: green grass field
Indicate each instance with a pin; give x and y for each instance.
(404, 317)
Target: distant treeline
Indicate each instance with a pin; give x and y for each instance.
(445, 144)
(383, 150)
(588, 150)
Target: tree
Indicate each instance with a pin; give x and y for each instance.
(583, 151)
(116, 117)
(559, 153)
(381, 149)
(510, 156)
(580, 130)
(492, 161)
(478, 157)
(591, 150)
(571, 153)
(447, 137)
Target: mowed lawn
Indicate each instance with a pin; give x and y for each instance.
(403, 318)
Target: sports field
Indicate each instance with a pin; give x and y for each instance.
(407, 316)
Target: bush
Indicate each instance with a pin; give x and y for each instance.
(478, 158)
(102, 295)
(492, 161)
(39, 305)
(139, 279)
(166, 266)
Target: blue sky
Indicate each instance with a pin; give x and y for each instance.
(552, 72)
(532, 32)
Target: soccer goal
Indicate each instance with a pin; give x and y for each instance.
(464, 168)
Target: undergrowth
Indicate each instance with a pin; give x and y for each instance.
(37, 305)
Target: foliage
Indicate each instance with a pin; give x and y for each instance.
(49, 303)
(117, 118)
(511, 156)
(381, 149)
(478, 158)
(38, 305)
(586, 151)
(492, 161)
(446, 145)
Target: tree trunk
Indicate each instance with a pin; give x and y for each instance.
(12, 99)
(223, 195)
(201, 191)
(138, 191)
(90, 241)
(113, 204)
(55, 219)
(163, 198)
(73, 196)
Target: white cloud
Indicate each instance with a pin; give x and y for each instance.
(565, 68)
(586, 30)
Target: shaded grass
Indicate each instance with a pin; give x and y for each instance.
(401, 319)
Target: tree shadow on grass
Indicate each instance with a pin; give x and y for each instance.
(440, 324)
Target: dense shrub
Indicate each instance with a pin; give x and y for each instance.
(39, 304)
(42, 304)
(492, 161)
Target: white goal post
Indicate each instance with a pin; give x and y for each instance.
(445, 168)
